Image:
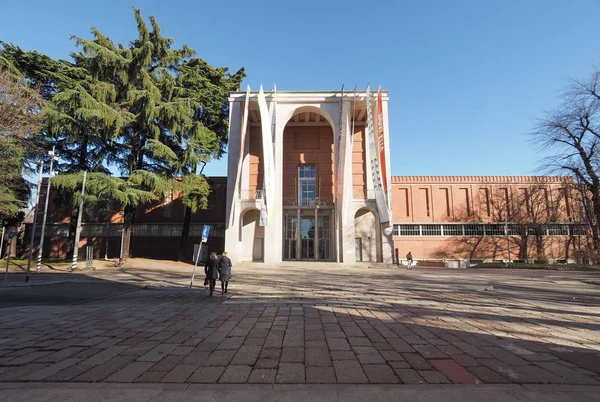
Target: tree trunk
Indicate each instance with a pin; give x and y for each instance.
(185, 234)
(523, 245)
(540, 249)
(128, 221)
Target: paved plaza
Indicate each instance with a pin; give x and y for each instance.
(425, 329)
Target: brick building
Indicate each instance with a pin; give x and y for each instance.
(329, 196)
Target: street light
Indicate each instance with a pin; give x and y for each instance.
(53, 158)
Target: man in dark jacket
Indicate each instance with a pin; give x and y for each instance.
(224, 272)
(211, 269)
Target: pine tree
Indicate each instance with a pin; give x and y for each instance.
(152, 111)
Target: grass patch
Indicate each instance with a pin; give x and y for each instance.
(550, 267)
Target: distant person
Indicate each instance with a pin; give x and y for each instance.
(224, 272)
(211, 269)
(409, 260)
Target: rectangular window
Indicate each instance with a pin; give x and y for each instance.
(453, 230)
(406, 230)
(431, 230)
(307, 184)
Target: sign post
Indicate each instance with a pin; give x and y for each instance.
(10, 239)
(205, 231)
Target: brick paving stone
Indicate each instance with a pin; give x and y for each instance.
(292, 355)
(381, 346)
(359, 341)
(168, 363)
(60, 355)
(158, 353)
(318, 357)
(487, 375)
(465, 360)
(504, 355)
(433, 377)
(231, 343)
(455, 372)
(235, 374)
(17, 372)
(316, 344)
(399, 365)
(409, 376)
(349, 372)
(368, 355)
(430, 352)
(180, 373)
(334, 334)
(207, 346)
(472, 350)
(290, 373)
(262, 376)
(130, 372)
(342, 355)
(293, 338)
(338, 344)
(69, 373)
(390, 355)
(543, 375)
(246, 355)
(314, 335)
(182, 350)
(104, 355)
(380, 374)
(401, 346)
(570, 374)
(141, 348)
(194, 358)
(266, 363)
(51, 369)
(510, 372)
(259, 332)
(28, 358)
(320, 375)
(254, 341)
(151, 376)
(101, 371)
(219, 358)
(416, 361)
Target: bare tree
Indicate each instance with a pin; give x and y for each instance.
(572, 134)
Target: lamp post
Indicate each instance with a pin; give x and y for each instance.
(53, 158)
(506, 230)
(35, 215)
(78, 230)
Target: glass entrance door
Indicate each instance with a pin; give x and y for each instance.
(307, 238)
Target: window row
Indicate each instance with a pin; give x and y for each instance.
(489, 229)
(139, 230)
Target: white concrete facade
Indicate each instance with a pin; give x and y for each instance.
(242, 224)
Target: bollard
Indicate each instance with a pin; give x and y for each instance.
(397, 259)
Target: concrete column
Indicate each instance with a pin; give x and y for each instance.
(274, 231)
(347, 222)
(232, 224)
(387, 238)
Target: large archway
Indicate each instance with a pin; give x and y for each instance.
(367, 237)
(252, 236)
(308, 186)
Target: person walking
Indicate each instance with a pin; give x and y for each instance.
(211, 269)
(224, 272)
(409, 260)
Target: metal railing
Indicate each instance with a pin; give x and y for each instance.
(307, 202)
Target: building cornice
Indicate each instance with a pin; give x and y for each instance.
(481, 179)
(308, 96)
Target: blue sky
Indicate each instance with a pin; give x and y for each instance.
(467, 79)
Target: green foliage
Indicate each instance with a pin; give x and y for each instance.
(153, 111)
